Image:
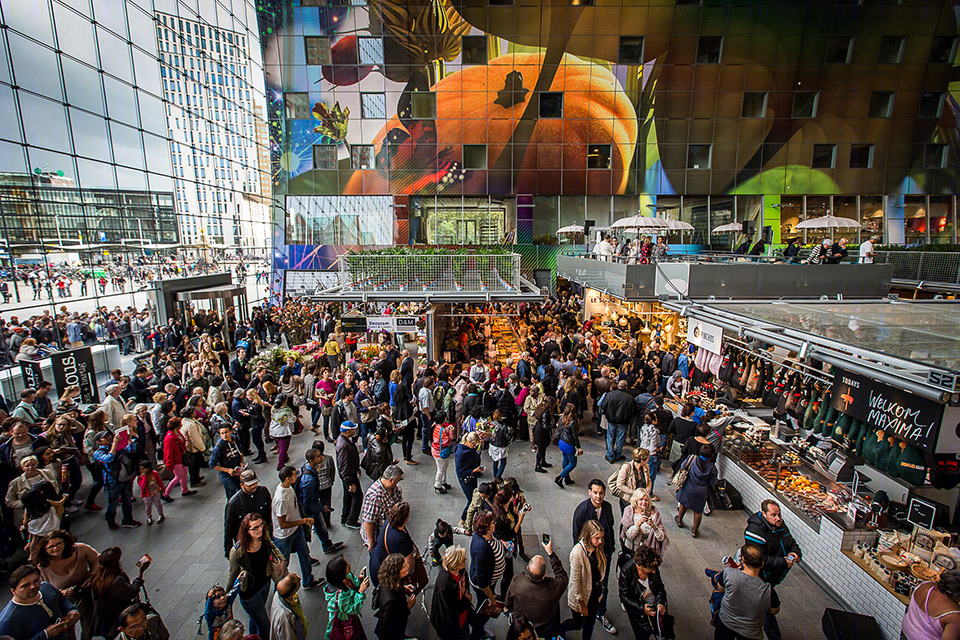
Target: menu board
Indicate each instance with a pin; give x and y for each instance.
(899, 413)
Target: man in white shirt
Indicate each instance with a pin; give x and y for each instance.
(287, 532)
(427, 405)
(479, 373)
(604, 249)
(866, 250)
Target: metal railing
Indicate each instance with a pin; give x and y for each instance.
(922, 266)
(425, 273)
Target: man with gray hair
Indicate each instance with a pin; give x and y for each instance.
(867, 251)
(113, 406)
(536, 596)
(377, 502)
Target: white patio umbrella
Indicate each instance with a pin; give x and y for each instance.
(640, 223)
(730, 227)
(828, 222)
(678, 225)
(572, 228)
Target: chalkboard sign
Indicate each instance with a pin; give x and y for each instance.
(353, 324)
(900, 414)
(921, 513)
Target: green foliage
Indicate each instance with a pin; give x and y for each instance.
(275, 359)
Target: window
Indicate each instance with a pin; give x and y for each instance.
(362, 156)
(931, 104)
(598, 156)
(551, 104)
(631, 50)
(861, 156)
(805, 104)
(754, 104)
(373, 105)
(709, 49)
(423, 105)
(838, 50)
(934, 156)
(891, 50)
(325, 156)
(881, 104)
(474, 156)
(698, 156)
(317, 50)
(944, 49)
(474, 50)
(371, 50)
(824, 156)
(297, 106)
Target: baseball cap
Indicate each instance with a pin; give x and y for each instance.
(101, 435)
(249, 477)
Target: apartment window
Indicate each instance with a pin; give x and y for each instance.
(631, 50)
(824, 156)
(297, 106)
(325, 156)
(754, 104)
(362, 156)
(474, 156)
(838, 50)
(373, 105)
(551, 104)
(423, 105)
(474, 49)
(598, 156)
(944, 49)
(861, 156)
(709, 49)
(698, 156)
(934, 156)
(881, 104)
(805, 104)
(931, 104)
(891, 50)
(317, 50)
(371, 50)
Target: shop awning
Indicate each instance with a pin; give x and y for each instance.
(912, 345)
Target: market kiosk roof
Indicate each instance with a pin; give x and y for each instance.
(911, 344)
(525, 292)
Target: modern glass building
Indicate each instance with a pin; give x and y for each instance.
(492, 120)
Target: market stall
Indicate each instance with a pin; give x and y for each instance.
(848, 422)
(617, 320)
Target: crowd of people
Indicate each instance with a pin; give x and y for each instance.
(200, 406)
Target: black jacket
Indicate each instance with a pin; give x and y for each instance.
(777, 544)
(348, 460)
(619, 406)
(586, 511)
(240, 505)
(631, 591)
(447, 607)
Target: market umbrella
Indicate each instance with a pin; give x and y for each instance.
(828, 222)
(640, 223)
(677, 225)
(573, 228)
(729, 227)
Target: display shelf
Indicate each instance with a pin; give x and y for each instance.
(863, 565)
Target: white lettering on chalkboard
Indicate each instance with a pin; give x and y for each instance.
(892, 416)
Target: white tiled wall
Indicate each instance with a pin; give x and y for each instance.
(822, 556)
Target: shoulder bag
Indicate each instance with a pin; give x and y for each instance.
(349, 629)
(680, 477)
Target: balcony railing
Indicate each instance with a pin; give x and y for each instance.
(426, 273)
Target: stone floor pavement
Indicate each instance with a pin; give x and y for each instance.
(187, 549)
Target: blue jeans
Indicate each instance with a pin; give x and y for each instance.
(771, 627)
(121, 492)
(655, 460)
(498, 467)
(298, 543)
(616, 434)
(256, 608)
(230, 484)
(569, 463)
(320, 528)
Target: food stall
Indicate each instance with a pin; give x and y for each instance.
(851, 425)
(617, 320)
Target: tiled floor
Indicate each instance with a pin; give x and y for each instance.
(187, 549)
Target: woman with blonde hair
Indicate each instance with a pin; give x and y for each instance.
(641, 525)
(588, 564)
(67, 400)
(28, 350)
(451, 610)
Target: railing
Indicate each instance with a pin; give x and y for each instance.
(922, 266)
(424, 273)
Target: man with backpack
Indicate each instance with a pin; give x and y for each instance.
(308, 493)
(119, 471)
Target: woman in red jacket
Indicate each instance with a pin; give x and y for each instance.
(174, 446)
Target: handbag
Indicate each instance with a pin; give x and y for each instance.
(413, 567)
(278, 567)
(680, 477)
(349, 629)
(662, 627)
(166, 474)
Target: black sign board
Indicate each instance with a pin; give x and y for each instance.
(32, 375)
(406, 323)
(76, 367)
(921, 513)
(900, 414)
(353, 324)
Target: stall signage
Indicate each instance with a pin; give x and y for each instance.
(406, 323)
(704, 335)
(75, 367)
(380, 323)
(31, 372)
(353, 324)
(898, 413)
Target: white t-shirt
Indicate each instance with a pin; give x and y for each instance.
(866, 248)
(284, 504)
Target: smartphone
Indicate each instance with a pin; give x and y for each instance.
(363, 573)
(144, 560)
(546, 538)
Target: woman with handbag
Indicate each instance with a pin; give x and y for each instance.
(631, 476)
(394, 599)
(450, 611)
(393, 538)
(569, 444)
(644, 597)
(281, 427)
(692, 493)
(588, 565)
(66, 563)
(255, 554)
(345, 594)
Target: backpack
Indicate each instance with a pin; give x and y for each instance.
(439, 392)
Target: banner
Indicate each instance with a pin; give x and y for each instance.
(406, 323)
(704, 335)
(75, 367)
(32, 375)
(899, 413)
(353, 324)
(380, 323)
